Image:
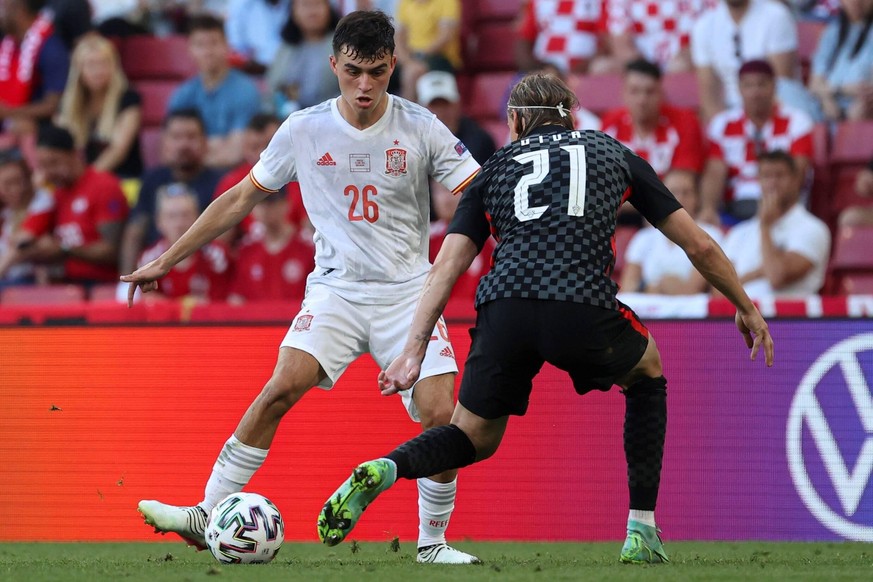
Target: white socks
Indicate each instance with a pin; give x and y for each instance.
(644, 517)
(436, 501)
(235, 465)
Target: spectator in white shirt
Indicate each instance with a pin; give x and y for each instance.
(736, 31)
(784, 250)
(655, 264)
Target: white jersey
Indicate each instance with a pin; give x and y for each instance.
(366, 192)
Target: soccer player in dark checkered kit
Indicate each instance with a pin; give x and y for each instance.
(551, 197)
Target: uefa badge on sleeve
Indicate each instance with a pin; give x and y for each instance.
(395, 162)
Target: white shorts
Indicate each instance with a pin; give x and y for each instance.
(335, 332)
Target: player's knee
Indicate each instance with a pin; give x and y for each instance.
(434, 399)
(435, 414)
(649, 366)
(647, 387)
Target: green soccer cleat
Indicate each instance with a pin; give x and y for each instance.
(344, 508)
(643, 545)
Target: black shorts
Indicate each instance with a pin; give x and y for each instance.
(514, 337)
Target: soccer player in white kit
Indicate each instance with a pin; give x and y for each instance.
(363, 162)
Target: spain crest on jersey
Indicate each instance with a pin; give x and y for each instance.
(395, 162)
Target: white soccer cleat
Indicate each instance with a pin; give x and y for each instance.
(189, 523)
(444, 554)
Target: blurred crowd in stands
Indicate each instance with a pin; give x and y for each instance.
(120, 120)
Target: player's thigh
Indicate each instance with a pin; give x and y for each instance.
(389, 331)
(503, 360)
(612, 344)
(331, 330)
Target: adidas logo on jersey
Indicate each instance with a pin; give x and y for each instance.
(325, 160)
(447, 353)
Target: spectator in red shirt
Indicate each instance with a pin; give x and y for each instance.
(33, 70)
(738, 136)
(82, 229)
(255, 138)
(33, 66)
(205, 275)
(665, 136)
(276, 256)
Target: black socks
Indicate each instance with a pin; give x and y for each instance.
(433, 451)
(645, 428)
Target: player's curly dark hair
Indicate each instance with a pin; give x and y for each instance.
(364, 34)
(539, 99)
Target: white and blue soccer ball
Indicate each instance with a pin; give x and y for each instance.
(245, 528)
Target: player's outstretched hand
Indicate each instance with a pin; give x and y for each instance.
(400, 375)
(146, 278)
(756, 334)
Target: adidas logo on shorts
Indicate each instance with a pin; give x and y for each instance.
(447, 353)
(325, 160)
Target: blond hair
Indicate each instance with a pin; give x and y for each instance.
(541, 99)
(74, 112)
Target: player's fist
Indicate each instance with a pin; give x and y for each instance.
(400, 375)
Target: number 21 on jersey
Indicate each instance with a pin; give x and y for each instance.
(362, 203)
(539, 160)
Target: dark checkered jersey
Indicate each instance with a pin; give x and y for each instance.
(551, 200)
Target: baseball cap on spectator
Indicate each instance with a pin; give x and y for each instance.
(55, 138)
(757, 66)
(437, 85)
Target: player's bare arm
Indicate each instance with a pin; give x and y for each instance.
(225, 211)
(709, 259)
(455, 257)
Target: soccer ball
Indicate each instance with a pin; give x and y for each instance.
(245, 528)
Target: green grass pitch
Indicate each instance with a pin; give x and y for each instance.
(156, 562)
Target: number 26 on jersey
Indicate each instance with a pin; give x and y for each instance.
(362, 203)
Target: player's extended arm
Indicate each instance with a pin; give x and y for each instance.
(708, 258)
(455, 257)
(225, 211)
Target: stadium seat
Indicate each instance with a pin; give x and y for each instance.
(150, 146)
(103, 292)
(492, 10)
(858, 284)
(820, 194)
(808, 33)
(42, 295)
(490, 47)
(852, 149)
(853, 143)
(488, 94)
(155, 97)
(852, 249)
(150, 57)
(681, 90)
(599, 93)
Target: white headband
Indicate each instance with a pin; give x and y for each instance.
(560, 107)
